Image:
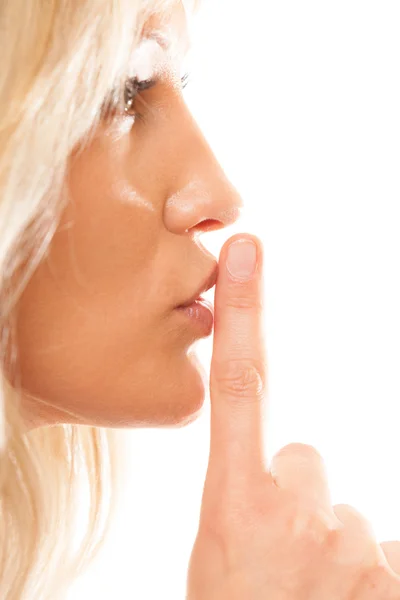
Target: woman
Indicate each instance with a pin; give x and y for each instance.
(106, 185)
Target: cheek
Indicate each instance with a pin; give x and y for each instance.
(66, 334)
(93, 332)
(83, 303)
(88, 360)
(106, 231)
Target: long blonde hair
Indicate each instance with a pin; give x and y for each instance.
(59, 61)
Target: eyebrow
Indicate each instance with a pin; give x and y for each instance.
(161, 39)
(165, 42)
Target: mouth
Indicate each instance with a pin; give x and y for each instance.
(200, 314)
(196, 303)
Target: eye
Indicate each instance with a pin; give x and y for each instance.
(131, 90)
(133, 87)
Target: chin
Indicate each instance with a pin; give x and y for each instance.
(174, 399)
(174, 421)
(183, 401)
(167, 416)
(180, 412)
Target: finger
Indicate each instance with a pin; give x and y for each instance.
(391, 551)
(357, 547)
(359, 544)
(238, 372)
(301, 469)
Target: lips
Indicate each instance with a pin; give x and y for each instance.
(210, 281)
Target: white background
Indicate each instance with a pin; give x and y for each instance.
(300, 102)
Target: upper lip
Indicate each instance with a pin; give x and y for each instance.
(207, 284)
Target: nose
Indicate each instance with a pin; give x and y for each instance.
(200, 197)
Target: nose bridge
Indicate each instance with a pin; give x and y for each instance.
(195, 167)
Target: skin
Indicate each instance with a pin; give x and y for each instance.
(99, 343)
(99, 339)
(270, 531)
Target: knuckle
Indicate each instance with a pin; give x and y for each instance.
(353, 519)
(346, 510)
(307, 526)
(357, 547)
(305, 451)
(319, 535)
(240, 378)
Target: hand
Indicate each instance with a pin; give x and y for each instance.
(271, 533)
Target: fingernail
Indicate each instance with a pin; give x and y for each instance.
(242, 259)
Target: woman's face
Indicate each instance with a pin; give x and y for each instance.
(100, 341)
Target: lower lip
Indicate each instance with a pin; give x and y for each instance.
(201, 313)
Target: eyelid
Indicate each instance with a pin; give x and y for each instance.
(146, 84)
(134, 86)
(130, 91)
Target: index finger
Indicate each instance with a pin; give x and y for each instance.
(238, 385)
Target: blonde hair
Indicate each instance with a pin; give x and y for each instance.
(59, 61)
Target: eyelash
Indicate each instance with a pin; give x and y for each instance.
(130, 93)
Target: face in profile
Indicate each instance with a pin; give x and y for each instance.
(99, 338)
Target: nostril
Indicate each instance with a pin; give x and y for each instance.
(209, 225)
